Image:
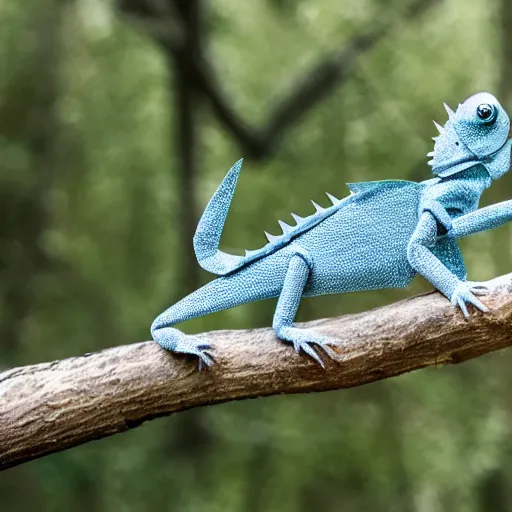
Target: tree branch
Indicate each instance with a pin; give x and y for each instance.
(322, 79)
(49, 407)
(310, 89)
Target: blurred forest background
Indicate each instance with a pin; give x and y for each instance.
(118, 121)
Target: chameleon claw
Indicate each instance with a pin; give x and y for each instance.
(205, 360)
(309, 350)
(305, 339)
(328, 350)
(480, 305)
(195, 346)
(463, 307)
(463, 295)
(478, 288)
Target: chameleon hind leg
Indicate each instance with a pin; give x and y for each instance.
(287, 306)
(174, 340)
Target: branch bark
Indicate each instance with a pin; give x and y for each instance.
(50, 407)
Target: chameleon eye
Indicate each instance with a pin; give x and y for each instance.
(486, 112)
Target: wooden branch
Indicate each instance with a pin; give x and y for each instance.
(49, 407)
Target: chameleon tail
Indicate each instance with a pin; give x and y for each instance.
(217, 295)
(199, 303)
(223, 293)
(209, 228)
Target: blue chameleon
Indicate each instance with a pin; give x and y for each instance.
(380, 236)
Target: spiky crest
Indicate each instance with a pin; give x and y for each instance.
(449, 111)
(285, 227)
(318, 208)
(334, 200)
(440, 129)
(271, 238)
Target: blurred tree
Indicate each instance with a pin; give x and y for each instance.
(115, 211)
(502, 252)
(29, 125)
(29, 121)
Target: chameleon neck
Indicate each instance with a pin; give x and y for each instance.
(460, 193)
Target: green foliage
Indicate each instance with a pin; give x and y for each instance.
(436, 440)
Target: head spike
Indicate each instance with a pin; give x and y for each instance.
(449, 111)
(435, 138)
(318, 208)
(271, 238)
(297, 218)
(334, 200)
(285, 227)
(430, 162)
(440, 129)
(431, 153)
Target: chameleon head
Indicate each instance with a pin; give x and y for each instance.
(477, 133)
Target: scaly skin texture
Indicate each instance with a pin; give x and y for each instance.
(380, 236)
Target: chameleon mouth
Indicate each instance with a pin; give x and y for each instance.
(453, 163)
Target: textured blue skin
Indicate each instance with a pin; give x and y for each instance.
(380, 236)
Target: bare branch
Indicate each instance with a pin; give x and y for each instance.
(49, 407)
(328, 74)
(309, 90)
(158, 19)
(324, 77)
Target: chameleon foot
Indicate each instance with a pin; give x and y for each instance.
(197, 347)
(464, 294)
(478, 288)
(304, 339)
(175, 341)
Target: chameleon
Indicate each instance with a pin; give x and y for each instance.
(380, 236)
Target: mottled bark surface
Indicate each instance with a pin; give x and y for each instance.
(49, 407)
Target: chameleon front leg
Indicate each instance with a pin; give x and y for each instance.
(429, 266)
(287, 306)
(481, 220)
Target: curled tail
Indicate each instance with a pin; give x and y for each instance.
(209, 228)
